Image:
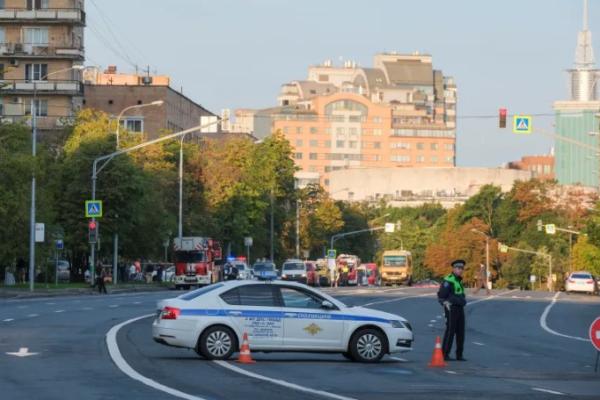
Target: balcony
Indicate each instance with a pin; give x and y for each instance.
(46, 16)
(29, 51)
(53, 87)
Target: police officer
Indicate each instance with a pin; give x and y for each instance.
(452, 297)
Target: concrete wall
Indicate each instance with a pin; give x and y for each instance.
(414, 183)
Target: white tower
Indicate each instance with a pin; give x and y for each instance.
(584, 74)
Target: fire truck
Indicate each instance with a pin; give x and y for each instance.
(197, 261)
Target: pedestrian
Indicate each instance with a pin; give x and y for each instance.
(101, 285)
(451, 296)
(481, 280)
(132, 272)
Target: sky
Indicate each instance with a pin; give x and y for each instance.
(237, 53)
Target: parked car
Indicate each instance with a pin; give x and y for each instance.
(294, 270)
(244, 271)
(581, 281)
(63, 271)
(264, 270)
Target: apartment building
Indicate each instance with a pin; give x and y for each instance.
(399, 113)
(41, 41)
(112, 92)
(541, 166)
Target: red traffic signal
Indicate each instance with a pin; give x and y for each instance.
(92, 225)
(502, 118)
(93, 231)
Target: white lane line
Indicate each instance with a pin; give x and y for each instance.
(280, 382)
(479, 344)
(8, 319)
(544, 324)
(397, 299)
(33, 315)
(439, 317)
(59, 311)
(433, 321)
(430, 325)
(398, 359)
(491, 297)
(451, 372)
(115, 354)
(547, 391)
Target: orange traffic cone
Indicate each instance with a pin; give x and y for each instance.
(437, 358)
(245, 357)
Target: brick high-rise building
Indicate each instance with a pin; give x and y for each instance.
(399, 113)
(40, 42)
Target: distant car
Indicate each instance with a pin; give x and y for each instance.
(312, 275)
(426, 283)
(277, 316)
(230, 272)
(264, 270)
(168, 274)
(63, 271)
(294, 270)
(244, 271)
(581, 281)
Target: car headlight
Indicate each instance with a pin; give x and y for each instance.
(284, 276)
(398, 324)
(304, 275)
(384, 274)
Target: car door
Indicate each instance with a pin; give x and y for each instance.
(254, 309)
(306, 324)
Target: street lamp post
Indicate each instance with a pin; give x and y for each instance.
(32, 211)
(154, 103)
(487, 255)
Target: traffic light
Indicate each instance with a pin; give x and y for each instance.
(93, 231)
(502, 118)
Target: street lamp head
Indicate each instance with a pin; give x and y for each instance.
(157, 103)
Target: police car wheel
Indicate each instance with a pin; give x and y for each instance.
(368, 345)
(217, 343)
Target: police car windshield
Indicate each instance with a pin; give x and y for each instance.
(292, 266)
(263, 267)
(189, 256)
(239, 265)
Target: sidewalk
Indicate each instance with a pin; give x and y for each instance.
(41, 291)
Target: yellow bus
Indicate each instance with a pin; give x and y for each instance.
(396, 267)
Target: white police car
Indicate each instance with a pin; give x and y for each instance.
(277, 316)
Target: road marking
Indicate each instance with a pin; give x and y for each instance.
(23, 352)
(399, 359)
(430, 325)
(451, 372)
(33, 315)
(479, 344)
(59, 311)
(8, 319)
(433, 320)
(491, 297)
(115, 354)
(280, 382)
(439, 317)
(113, 306)
(548, 391)
(397, 299)
(544, 324)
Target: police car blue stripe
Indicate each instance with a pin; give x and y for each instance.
(280, 315)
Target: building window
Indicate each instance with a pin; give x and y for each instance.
(449, 146)
(399, 158)
(328, 131)
(420, 159)
(323, 78)
(434, 159)
(314, 143)
(286, 130)
(1, 71)
(35, 36)
(345, 105)
(376, 132)
(312, 156)
(299, 143)
(377, 145)
(41, 108)
(313, 129)
(376, 120)
(299, 130)
(400, 145)
(353, 131)
(298, 156)
(420, 146)
(133, 124)
(434, 146)
(339, 131)
(35, 72)
(353, 144)
(450, 159)
(327, 169)
(547, 169)
(376, 157)
(36, 4)
(328, 143)
(326, 182)
(340, 144)
(313, 168)
(2, 36)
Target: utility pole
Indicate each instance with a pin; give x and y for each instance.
(272, 225)
(298, 228)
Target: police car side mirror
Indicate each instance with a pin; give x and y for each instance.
(326, 304)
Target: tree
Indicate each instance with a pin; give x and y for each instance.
(586, 256)
(482, 206)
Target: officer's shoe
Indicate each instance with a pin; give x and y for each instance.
(448, 358)
(461, 358)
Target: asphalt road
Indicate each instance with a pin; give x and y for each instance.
(510, 354)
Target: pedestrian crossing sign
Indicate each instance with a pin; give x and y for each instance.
(522, 124)
(93, 208)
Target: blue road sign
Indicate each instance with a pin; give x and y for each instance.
(522, 124)
(60, 244)
(93, 208)
(331, 253)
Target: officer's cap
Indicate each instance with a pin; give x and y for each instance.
(458, 264)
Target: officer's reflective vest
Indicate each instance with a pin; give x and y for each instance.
(456, 284)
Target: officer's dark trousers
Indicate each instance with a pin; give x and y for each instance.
(455, 325)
